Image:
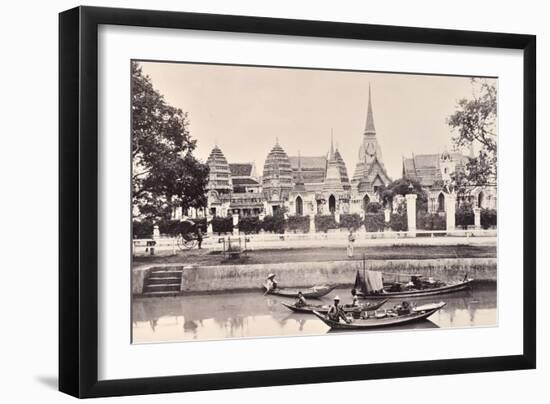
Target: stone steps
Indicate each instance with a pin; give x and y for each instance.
(162, 282)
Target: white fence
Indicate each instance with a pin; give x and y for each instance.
(169, 245)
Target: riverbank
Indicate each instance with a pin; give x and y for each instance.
(377, 252)
(242, 277)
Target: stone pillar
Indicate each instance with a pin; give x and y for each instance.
(450, 207)
(337, 216)
(209, 228)
(477, 218)
(387, 215)
(156, 232)
(387, 218)
(411, 214)
(312, 223)
(235, 224)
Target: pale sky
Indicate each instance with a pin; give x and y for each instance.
(244, 110)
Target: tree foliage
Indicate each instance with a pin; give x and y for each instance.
(165, 174)
(402, 187)
(475, 124)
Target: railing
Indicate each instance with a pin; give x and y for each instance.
(215, 242)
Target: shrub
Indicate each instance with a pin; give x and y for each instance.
(142, 229)
(298, 224)
(350, 221)
(373, 207)
(464, 216)
(488, 218)
(325, 222)
(222, 224)
(249, 224)
(374, 221)
(398, 222)
(427, 221)
(274, 224)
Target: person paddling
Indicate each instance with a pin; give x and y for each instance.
(335, 312)
(300, 300)
(270, 283)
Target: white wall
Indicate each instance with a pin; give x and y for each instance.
(28, 297)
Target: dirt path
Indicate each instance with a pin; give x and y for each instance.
(207, 258)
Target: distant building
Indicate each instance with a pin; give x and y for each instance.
(434, 173)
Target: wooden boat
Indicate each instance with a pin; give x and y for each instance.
(313, 292)
(416, 314)
(384, 293)
(323, 309)
(370, 285)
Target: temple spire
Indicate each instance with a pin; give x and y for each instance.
(369, 127)
(331, 144)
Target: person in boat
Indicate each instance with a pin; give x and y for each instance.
(271, 283)
(351, 240)
(300, 300)
(336, 312)
(403, 308)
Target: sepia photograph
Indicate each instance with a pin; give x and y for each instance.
(272, 201)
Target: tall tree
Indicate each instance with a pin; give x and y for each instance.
(165, 174)
(475, 125)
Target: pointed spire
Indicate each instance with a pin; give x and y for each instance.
(331, 144)
(369, 127)
(276, 140)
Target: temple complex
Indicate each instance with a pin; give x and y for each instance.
(320, 185)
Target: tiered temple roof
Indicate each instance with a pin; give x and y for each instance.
(343, 170)
(277, 169)
(219, 178)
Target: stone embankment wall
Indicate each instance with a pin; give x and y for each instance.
(223, 278)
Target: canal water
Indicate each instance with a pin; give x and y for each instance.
(251, 314)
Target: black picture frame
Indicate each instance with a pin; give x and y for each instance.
(78, 196)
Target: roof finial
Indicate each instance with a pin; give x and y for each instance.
(276, 140)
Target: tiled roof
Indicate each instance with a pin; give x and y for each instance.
(309, 162)
(245, 181)
(425, 168)
(241, 169)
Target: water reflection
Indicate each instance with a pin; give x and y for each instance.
(242, 315)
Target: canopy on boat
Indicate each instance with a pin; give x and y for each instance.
(369, 281)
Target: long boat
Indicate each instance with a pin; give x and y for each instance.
(323, 309)
(385, 293)
(313, 292)
(417, 314)
(370, 285)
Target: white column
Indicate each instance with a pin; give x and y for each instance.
(209, 228)
(156, 232)
(312, 223)
(477, 218)
(450, 207)
(235, 224)
(387, 215)
(411, 214)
